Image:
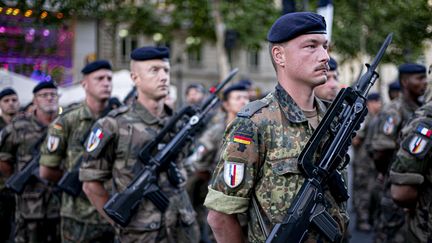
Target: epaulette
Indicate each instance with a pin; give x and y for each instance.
(250, 109)
(70, 108)
(122, 109)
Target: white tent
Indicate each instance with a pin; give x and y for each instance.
(21, 84)
(122, 85)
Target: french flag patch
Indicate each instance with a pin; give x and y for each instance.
(233, 173)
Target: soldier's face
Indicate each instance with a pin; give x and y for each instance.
(305, 59)
(236, 100)
(151, 78)
(194, 97)
(46, 100)
(9, 104)
(98, 84)
(330, 88)
(416, 84)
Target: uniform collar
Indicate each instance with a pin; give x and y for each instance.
(147, 117)
(291, 110)
(85, 114)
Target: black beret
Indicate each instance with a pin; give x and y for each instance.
(411, 68)
(44, 85)
(332, 64)
(291, 25)
(395, 85)
(96, 65)
(149, 53)
(234, 87)
(7, 91)
(374, 96)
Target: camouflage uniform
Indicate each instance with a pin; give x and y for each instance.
(7, 202)
(413, 167)
(390, 223)
(37, 210)
(264, 142)
(122, 134)
(364, 173)
(62, 148)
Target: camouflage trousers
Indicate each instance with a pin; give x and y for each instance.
(37, 230)
(75, 231)
(363, 184)
(7, 211)
(390, 226)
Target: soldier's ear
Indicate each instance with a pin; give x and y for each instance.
(134, 77)
(278, 55)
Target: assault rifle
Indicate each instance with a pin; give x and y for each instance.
(122, 206)
(336, 130)
(18, 181)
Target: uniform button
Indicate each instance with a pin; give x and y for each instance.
(280, 167)
(152, 226)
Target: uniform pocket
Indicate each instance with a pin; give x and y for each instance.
(284, 166)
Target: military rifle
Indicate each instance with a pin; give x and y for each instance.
(336, 130)
(18, 181)
(122, 206)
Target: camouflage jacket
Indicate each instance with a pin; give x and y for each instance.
(112, 151)
(391, 119)
(413, 167)
(17, 147)
(62, 149)
(259, 159)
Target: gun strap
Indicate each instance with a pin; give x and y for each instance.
(263, 221)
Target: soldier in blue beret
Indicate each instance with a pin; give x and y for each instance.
(257, 171)
(328, 91)
(63, 148)
(390, 223)
(394, 89)
(112, 150)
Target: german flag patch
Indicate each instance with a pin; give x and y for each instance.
(242, 139)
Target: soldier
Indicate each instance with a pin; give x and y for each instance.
(9, 106)
(329, 90)
(363, 167)
(80, 221)
(37, 208)
(389, 226)
(262, 144)
(208, 149)
(394, 90)
(411, 175)
(195, 94)
(112, 150)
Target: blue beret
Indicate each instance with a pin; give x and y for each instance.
(374, 96)
(44, 85)
(411, 68)
(246, 82)
(234, 87)
(291, 25)
(96, 65)
(149, 53)
(332, 64)
(7, 91)
(395, 85)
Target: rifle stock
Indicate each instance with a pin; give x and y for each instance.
(336, 130)
(121, 206)
(18, 181)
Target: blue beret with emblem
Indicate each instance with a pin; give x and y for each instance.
(7, 91)
(234, 87)
(149, 53)
(44, 85)
(411, 68)
(96, 65)
(332, 64)
(291, 25)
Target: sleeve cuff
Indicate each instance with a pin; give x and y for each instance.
(50, 160)
(406, 178)
(94, 175)
(216, 200)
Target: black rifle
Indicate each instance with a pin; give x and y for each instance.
(123, 205)
(336, 130)
(18, 181)
(70, 183)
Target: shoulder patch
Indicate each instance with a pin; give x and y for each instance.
(389, 125)
(250, 109)
(118, 111)
(233, 174)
